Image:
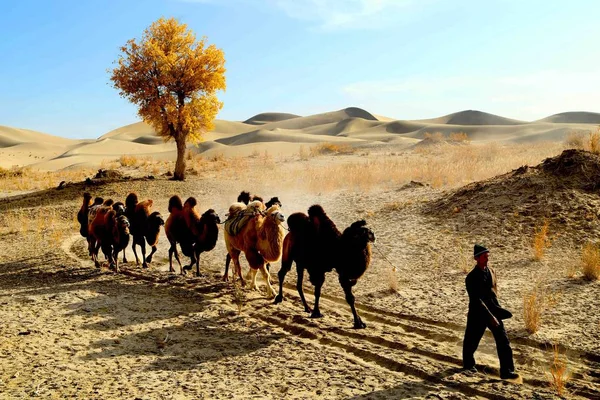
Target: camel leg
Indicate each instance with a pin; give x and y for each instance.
(318, 282)
(235, 257)
(198, 264)
(95, 254)
(265, 273)
(286, 265)
(142, 243)
(133, 244)
(256, 261)
(149, 258)
(226, 274)
(115, 257)
(300, 288)
(347, 286)
(253, 273)
(124, 257)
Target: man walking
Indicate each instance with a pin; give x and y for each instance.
(485, 312)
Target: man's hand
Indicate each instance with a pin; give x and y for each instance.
(494, 322)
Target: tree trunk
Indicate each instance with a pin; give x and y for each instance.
(179, 174)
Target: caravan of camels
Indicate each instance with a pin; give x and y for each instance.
(253, 227)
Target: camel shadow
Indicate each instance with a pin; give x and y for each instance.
(184, 346)
(426, 388)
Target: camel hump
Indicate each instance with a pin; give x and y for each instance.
(175, 203)
(298, 222)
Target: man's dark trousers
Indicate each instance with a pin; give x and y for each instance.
(475, 329)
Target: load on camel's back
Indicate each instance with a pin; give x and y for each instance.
(236, 218)
(260, 237)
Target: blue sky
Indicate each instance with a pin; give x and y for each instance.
(406, 59)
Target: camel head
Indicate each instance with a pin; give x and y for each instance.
(156, 219)
(87, 197)
(359, 233)
(123, 224)
(244, 197)
(274, 213)
(119, 208)
(211, 216)
(272, 202)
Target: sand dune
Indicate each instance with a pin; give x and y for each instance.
(580, 117)
(281, 134)
(264, 118)
(473, 117)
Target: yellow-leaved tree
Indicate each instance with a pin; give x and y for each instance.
(173, 79)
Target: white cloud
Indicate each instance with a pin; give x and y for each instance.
(526, 96)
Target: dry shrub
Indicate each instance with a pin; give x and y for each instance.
(558, 374)
(541, 241)
(239, 297)
(128, 161)
(575, 140)
(593, 142)
(459, 137)
(590, 262)
(331, 148)
(434, 137)
(535, 303)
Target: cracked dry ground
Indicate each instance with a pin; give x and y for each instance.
(72, 331)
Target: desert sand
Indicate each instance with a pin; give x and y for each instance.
(71, 330)
(280, 134)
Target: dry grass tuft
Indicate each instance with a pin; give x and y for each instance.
(533, 306)
(590, 262)
(575, 140)
(239, 297)
(535, 303)
(459, 137)
(558, 374)
(128, 161)
(593, 142)
(331, 148)
(541, 241)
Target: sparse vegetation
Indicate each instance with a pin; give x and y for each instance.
(331, 148)
(535, 303)
(590, 262)
(593, 142)
(128, 161)
(239, 296)
(575, 140)
(459, 137)
(558, 374)
(584, 140)
(541, 241)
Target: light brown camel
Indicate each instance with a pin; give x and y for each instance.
(261, 240)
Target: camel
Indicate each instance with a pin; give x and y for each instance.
(316, 245)
(261, 240)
